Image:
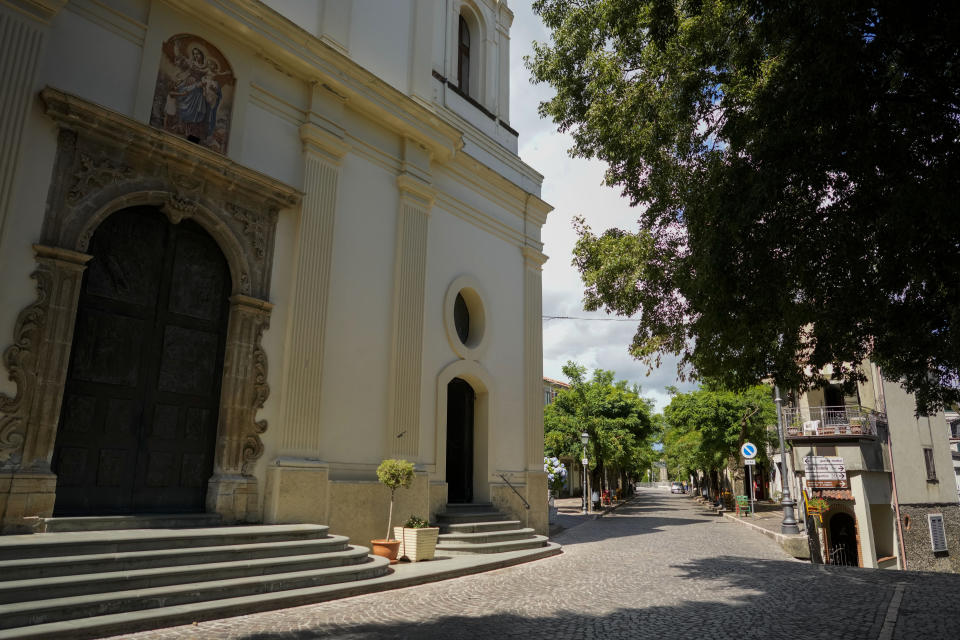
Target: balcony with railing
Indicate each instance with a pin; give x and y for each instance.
(848, 422)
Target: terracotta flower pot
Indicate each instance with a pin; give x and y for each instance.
(386, 549)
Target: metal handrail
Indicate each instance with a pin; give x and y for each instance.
(525, 503)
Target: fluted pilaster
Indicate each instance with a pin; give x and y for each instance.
(21, 47)
(533, 356)
(416, 200)
(301, 399)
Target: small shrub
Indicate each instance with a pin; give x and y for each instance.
(416, 522)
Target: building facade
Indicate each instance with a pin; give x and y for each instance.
(884, 476)
(250, 249)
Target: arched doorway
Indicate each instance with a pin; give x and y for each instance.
(460, 440)
(843, 540)
(139, 417)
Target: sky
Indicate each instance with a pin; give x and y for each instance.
(574, 186)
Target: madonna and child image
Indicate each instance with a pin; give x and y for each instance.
(194, 92)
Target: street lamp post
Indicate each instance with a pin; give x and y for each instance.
(789, 523)
(585, 438)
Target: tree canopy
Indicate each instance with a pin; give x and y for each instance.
(795, 167)
(613, 413)
(705, 428)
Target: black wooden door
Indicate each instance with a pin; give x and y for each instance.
(139, 418)
(460, 401)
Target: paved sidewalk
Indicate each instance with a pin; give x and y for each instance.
(766, 520)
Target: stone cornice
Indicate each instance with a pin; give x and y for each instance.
(533, 257)
(319, 140)
(74, 113)
(283, 43)
(537, 210)
(42, 10)
(410, 187)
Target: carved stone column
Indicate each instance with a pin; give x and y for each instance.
(232, 491)
(300, 402)
(37, 361)
(410, 269)
(533, 356)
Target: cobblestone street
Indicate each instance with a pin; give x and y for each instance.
(658, 567)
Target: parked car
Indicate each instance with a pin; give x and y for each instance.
(676, 487)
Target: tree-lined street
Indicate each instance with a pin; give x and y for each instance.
(658, 567)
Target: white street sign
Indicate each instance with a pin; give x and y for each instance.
(825, 472)
(584, 461)
(748, 450)
(750, 462)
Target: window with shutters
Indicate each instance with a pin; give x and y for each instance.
(463, 56)
(928, 461)
(938, 535)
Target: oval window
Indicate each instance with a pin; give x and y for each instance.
(461, 318)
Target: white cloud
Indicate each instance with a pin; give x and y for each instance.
(575, 187)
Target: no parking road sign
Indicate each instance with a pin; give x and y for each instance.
(748, 450)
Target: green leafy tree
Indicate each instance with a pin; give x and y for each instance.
(613, 413)
(795, 167)
(706, 428)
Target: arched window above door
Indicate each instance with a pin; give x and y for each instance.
(463, 55)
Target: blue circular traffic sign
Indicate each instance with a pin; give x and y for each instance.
(749, 450)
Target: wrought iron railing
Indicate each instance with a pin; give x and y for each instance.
(850, 420)
(525, 503)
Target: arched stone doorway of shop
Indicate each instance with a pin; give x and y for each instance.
(138, 423)
(843, 540)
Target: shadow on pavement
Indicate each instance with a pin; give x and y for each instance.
(773, 599)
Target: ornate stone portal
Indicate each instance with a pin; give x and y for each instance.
(107, 162)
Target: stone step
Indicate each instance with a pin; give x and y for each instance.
(52, 610)
(25, 568)
(125, 623)
(484, 536)
(531, 542)
(42, 545)
(477, 527)
(447, 518)
(140, 521)
(96, 583)
(469, 506)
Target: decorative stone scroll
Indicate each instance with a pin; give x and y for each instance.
(37, 361)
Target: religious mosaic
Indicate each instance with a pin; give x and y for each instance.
(194, 92)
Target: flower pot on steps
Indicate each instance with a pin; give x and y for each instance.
(417, 544)
(385, 549)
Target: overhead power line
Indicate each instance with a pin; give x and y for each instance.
(589, 319)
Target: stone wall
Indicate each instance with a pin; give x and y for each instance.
(916, 537)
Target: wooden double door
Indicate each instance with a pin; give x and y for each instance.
(138, 424)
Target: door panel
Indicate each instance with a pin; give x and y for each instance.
(139, 418)
(460, 401)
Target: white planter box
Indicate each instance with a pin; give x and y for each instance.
(417, 544)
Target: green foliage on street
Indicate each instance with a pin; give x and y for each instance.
(795, 167)
(705, 428)
(613, 413)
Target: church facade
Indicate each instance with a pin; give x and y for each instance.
(250, 249)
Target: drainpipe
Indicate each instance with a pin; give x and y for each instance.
(896, 503)
(893, 472)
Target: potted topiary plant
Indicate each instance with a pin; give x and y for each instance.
(394, 474)
(418, 540)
